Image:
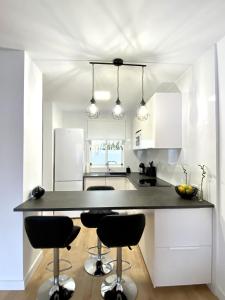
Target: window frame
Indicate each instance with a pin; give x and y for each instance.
(106, 141)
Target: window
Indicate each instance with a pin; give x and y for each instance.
(103, 152)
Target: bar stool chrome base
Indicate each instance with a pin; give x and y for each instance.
(111, 288)
(98, 267)
(48, 289)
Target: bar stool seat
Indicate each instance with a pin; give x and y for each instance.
(55, 232)
(98, 263)
(120, 231)
(92, 218)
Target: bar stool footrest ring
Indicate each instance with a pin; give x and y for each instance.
(49, 266)
(123, 262)
(96, 253)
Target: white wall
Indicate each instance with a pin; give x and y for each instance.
(20, 161)
(32, 163)
(52, 118)
(199, 121)
(220, 224)
(11, 171)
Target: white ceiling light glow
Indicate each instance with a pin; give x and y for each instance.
(102, 95)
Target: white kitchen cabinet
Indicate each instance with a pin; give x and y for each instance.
(119, 183)
(163, 128)
(177, 246)
(182, 266)
(90, 181)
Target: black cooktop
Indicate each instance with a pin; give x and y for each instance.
(145, 182)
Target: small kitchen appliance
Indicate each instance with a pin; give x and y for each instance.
(142, 168)
(150, 182)
(128, 170)
(151, 170)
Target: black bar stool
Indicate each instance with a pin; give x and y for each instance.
(55, 232)
(98, 263)
(120, 231)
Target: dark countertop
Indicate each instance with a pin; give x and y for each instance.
(154, 198)
(134, 178)
(101, 174)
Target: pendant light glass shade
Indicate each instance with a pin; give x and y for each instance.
(118, 112)
(92, 110)
(142, 111)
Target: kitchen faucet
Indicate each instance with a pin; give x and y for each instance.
(108, 163)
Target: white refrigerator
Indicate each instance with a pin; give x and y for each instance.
(68, 162)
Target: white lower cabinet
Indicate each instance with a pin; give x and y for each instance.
(93, 182)
(119, 183)
(177, 246)
(182, 266)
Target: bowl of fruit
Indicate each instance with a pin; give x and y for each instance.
(186, 191)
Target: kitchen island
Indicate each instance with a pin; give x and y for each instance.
(177, 241)
(156, 198)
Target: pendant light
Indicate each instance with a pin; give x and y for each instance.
(142, 112)
(118, 112)
(92, 110)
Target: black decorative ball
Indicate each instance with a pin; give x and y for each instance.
(38, 192)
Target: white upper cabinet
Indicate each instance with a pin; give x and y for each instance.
(163, 129)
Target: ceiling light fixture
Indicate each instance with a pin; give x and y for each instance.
(118, 112)
(142, 112)
(92, 109)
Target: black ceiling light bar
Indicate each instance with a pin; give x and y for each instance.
(117, 62)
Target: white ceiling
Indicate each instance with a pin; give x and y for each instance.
(62, 36)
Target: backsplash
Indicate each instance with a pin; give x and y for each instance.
(171, 171)
(166, 169)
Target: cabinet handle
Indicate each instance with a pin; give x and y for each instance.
(184, 248)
